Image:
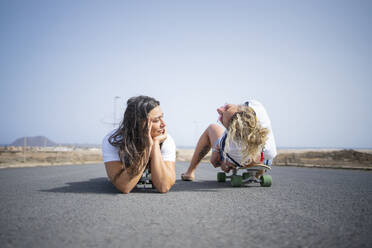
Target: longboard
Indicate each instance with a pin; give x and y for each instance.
(145, 180)
(247, 177)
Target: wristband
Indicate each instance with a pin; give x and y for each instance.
(215, 150)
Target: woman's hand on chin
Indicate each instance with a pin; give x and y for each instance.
(160, 138)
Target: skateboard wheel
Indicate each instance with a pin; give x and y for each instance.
(266, 180)
(245, 175)
(236, 181)
(221, 177)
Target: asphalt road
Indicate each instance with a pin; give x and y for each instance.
(76, 206)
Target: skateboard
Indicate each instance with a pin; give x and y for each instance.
(248, 177)
(145, 181)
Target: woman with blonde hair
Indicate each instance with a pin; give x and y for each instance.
(247, 139)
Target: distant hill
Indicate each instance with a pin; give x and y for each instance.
(33, 141)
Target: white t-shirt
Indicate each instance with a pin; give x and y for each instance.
(269, 151)
(111, 153)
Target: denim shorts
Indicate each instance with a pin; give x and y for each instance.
(268, 162)
(219, 142)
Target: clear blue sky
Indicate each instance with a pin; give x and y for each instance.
(309, 62)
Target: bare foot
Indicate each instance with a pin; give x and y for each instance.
(188, 176)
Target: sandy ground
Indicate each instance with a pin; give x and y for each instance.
(48, 156)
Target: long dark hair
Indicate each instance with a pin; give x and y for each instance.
(132, 135)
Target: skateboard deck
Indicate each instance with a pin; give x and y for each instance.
(248, 176)
(256, 167)
(145, 180)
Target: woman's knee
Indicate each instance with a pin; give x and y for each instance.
(214, 131)
(215, 128)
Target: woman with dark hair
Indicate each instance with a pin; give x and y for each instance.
(140, 142)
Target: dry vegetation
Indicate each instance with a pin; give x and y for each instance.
(330, 158)
(350, 159)
(46, 156)
(43, 156)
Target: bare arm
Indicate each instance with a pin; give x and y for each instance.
(163, 173)
(217, 162)
(216, 159)
(120, 178)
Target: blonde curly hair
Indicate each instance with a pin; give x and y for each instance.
(246, 132)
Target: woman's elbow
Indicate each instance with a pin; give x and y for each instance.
(123, 189)
(164, 188)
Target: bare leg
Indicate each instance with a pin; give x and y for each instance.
(206, 140)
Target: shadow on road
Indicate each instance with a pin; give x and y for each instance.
(199, 185)
(102, 185)
(182, 186)
(99, 185)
